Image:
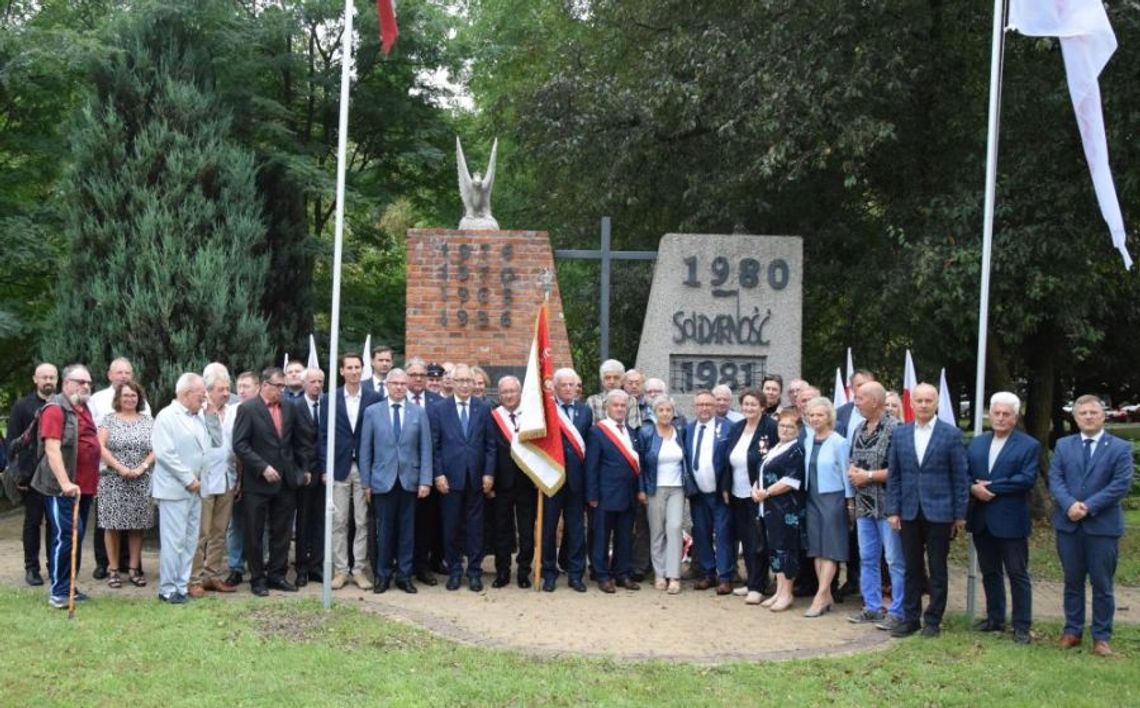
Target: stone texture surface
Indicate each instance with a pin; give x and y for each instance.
(472, 296)
(723, 309)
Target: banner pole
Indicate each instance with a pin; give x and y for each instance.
(538, 543)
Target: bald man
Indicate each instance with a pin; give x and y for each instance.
(926, 501)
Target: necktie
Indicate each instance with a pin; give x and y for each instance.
(396, 421)
(317, 412)
(418, 400)
(514, 423)
(697, 452)
(1088, 453)
(569, 408)
(463, 417)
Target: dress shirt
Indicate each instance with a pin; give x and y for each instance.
(1096, 441)
(703, 457)
(669, 460)
(352, 403)
(741, 486)
(417, 398)
(403, 404)
(922, 435)
(996, 444)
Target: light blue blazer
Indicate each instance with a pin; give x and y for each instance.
(384, 460)
(831, 465)
(181, 446)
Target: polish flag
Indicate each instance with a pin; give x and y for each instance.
(910, 382)
(850, 375)
(388, 29)
(537, 448)
(840, 397)
(366, 355)
(945, 405)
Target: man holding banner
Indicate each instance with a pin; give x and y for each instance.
(575, 420)
(515, 495)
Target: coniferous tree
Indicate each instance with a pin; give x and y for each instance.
(167, 259)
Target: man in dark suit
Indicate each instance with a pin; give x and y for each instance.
(310, 518)
(576, 419)
(274, 445)
(395, 469)
(464, 461)
(612, 468)
(381, 365)
(927, 493)
(349, 493)
(1003, 470)
(429, 535)
(515, 497)
(715, 563)
(1090, 474)
(23, 464)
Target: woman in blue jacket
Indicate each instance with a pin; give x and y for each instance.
(828, 489)
(665, 481)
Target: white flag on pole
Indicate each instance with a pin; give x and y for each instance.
(366, 355)
(840, 397)
(1087, 42)
(313, 362)
(945, 405)
(910, 382)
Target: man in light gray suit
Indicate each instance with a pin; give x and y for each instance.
(180, 442)
(395, 468)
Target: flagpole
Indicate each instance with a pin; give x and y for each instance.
(538, 513)
(997, 52)
(338, 241)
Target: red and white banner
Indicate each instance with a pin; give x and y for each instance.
(910, 381)
(538, 446)
(386, 12)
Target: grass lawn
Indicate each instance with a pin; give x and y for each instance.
(281, 652)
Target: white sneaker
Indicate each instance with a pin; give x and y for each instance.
(753, 598)
(740, 591)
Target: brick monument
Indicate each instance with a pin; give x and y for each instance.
(472, 297)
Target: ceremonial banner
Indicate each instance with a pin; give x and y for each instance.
(537, 448)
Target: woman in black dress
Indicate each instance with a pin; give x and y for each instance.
(781, 499)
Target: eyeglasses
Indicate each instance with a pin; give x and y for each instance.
(81, 382)
(278, 386)
(417, 376)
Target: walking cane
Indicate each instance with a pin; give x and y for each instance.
(74, 555)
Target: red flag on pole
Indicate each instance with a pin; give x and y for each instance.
(538, 446)
(388, 29)
(910, 382)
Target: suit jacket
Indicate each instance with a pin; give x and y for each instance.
(766, 429)
(830, 464)
(718, 432)
(181, 446)
(257, 446)
(843, 417)
(649, 445)
(939, 487)
(347, 440)
(507, 472)
(1011, 479)
(368, 385)
(1101, 487)
(583, 418)
(429, 397)
(610, 480)
(463, 459)
(383, 459)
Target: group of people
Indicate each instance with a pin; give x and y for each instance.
(424, 484)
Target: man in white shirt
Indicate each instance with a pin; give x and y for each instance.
(713, 563)
(723, 396)
(209, 568)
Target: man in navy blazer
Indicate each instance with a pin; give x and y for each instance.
(348, 479)
(1091, 472)
(612, 468)
(464, 460)
(569, 503)
(309, 523)
(927, 492)
(381, 366)
(395, 469)
(704, 448)
(1003, 470)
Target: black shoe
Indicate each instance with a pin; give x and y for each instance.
(175, 599)
(406, 585)
(637, 577)
(282, 584)
(931, 631)
(501, 581)
(33, 577)
(439, 568)
(988, 626)
(100, 572)
(259, 588)
(381, 585)
(302, 580)
(427, 579)
(548, 584)
(475, 583)
(525, 581)
(234, 578)
(453, 582)
(316, 577)
(577, 585)
(905, 629)
(1021, 636)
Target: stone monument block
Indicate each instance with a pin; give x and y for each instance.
(724, 309)
(472, 297)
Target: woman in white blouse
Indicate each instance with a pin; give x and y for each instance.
(664, 482)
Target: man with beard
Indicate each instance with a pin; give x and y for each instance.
(24, 465)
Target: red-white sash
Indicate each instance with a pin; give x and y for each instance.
(622, 442)
(571, 432)
(500, 415)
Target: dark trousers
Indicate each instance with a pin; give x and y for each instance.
(570, 506)
(925, 544)
(395, 532)
(640, 561)
(462, 512)
(703, 509)
(1093, 557)
(853, 562)
(99, 545)
(749, 534)
(33, 522)
(1012, 554)
(619, 526)
(514, 512)
(309, 530)
(58, 511)
(276, 511)
(429, 539)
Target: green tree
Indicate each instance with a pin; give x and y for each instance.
(167, 255)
